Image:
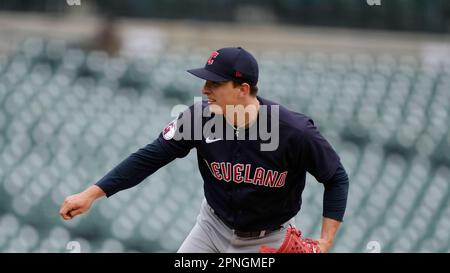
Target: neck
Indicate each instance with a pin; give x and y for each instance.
(244, 114)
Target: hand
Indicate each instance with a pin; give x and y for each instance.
(324, 245)
(79, 203)
(74, 205)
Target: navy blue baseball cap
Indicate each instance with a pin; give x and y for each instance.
(229, 64)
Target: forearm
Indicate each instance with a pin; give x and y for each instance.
(94, 192)
(334, 204)
(335, 195)
(329, 229)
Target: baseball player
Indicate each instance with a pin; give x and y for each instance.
(252, 193)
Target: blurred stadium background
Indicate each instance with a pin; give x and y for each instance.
(83, 86)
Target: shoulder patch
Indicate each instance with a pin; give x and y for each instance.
(169, 131)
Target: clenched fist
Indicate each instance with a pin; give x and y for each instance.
(79, 203)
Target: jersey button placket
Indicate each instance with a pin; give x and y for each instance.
(236, 154)
(235, 187)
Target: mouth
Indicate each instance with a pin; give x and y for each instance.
(211, 101)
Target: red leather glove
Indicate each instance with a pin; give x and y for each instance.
(293, 243)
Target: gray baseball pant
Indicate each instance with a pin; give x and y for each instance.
(211, 235)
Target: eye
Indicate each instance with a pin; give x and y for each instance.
(213, 84)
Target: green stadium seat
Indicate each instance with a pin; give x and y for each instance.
(78, 114)
(111, 246)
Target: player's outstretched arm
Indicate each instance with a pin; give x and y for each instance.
(80, 203)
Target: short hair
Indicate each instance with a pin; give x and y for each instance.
(253, 88)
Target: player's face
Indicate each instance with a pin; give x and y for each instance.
(221, 94)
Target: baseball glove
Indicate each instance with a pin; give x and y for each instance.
(293, 243)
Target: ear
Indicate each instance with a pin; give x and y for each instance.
(245, 89)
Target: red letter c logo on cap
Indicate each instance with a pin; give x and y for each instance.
(212, 57)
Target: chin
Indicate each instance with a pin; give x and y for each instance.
(216, 109)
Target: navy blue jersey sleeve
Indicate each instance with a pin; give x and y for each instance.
(335, 195)
(135, 168)
(319, 157)
(178, 137)
(169, 145)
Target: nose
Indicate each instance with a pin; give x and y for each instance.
(206, 90)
